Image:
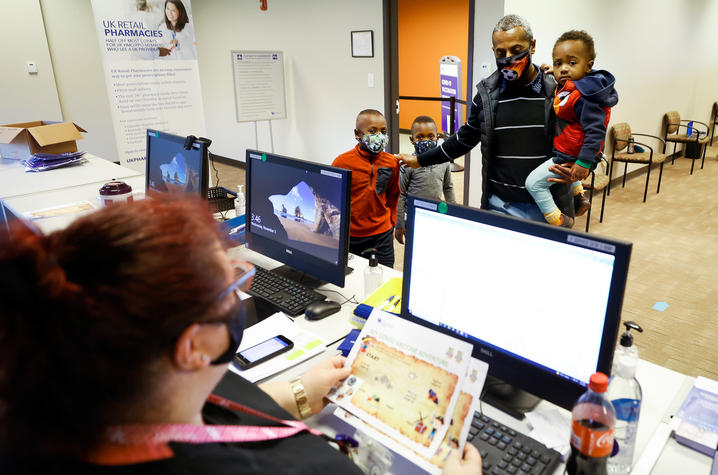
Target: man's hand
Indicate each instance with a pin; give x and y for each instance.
(408, 160)
(164, 51)
(399, 234)
(563, 170)
(578, 172)
(320, 378)
(547, 68)
(469, 464)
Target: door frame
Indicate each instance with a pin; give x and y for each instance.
(391, 78)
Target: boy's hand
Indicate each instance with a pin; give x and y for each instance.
(547, 68)
(578, 172)
(408, 160)
(399, 235)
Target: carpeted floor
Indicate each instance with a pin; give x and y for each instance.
(675, 260)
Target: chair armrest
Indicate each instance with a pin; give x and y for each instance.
(697, 122)
(652, 136)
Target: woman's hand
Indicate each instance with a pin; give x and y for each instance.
(320, 378)
(469, 464)
(173, 43)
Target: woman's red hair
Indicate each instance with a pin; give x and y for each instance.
(84, 310)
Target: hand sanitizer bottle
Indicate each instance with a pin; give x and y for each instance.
(239, 203)
(624, 392)
(373, 274)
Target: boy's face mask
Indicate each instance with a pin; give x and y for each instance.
(421, 146)
(513, 67)
(374, 143)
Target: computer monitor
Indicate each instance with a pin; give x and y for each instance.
(298, 214)
(171, 168)
(541, 304)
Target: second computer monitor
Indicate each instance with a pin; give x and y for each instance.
(298, 214)
(171, 168)
(541, 304)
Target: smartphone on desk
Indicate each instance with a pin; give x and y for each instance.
(261, 352)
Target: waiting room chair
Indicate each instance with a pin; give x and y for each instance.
(713, 123)
(597, 182)
(622, 135)
(672, 124)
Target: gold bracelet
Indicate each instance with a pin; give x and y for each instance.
(300, 396)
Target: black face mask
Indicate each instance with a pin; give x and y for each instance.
(235, 325)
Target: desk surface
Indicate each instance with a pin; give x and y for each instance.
(19, 205)
(660, 385)
(15, 181)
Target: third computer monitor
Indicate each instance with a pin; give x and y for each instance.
(298, 214)
(541, 304)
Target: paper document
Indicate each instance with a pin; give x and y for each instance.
(459, 424)
(62, 210)
(405, 381)
(306, 345)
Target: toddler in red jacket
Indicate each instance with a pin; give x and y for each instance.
(583, 102)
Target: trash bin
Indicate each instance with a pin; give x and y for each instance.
(692, 150)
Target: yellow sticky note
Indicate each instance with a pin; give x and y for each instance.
(312, 344)
(295, 355)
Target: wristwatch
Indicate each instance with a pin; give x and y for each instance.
(300, 396)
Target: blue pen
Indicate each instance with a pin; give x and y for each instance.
(239, 282)
(387, 303)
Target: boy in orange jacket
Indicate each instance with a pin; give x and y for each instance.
(374, 188)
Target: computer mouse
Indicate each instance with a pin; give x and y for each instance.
(319, 310)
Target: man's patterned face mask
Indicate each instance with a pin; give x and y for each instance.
(514, 66)
(422, 146)
(374, 143)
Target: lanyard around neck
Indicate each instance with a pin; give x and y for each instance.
(153, 434)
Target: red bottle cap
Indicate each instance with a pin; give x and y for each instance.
(115, 188)
(598, 383)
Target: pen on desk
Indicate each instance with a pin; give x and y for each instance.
(387, 303)
(397, 304)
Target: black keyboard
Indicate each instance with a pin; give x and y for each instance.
(505, 450)
(288, 296)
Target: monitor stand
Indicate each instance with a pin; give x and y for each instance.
(507, 398)
(298, 276)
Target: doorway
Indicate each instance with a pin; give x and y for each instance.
(418, 33)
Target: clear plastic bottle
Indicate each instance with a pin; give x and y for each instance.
(592, 425)
(373, 274)
(239, 202)
(624, 392)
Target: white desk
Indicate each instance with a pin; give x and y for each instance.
(661, 386)
(19, 205)
(337, 326)
(15, 181)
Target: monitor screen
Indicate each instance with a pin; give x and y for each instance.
(540, 303)
(173, 169)
(298, 214)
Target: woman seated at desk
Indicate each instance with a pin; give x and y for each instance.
(114, 333)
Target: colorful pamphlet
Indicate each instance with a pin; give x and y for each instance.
(416, 387)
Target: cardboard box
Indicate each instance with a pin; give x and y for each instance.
(19, 141)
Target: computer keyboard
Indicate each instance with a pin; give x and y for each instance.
(290, 297)
(505, 450)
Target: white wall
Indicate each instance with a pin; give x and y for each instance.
(25, 97)
(75, 51)
(326, 87)
(662, 52)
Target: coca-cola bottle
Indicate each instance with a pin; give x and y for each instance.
(593, 421)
